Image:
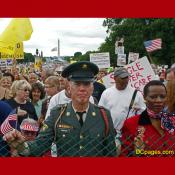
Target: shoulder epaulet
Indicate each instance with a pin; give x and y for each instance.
(61, 105)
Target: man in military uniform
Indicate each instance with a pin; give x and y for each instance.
(78, 128)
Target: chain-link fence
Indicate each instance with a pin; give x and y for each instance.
(93, 146)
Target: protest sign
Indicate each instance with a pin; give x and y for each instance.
(119, 50)
(108, 80)
(102, 60)
(3, 63)
(132, 57)
(121, 60)
(17, 53)
(38, 63)
(141, 73)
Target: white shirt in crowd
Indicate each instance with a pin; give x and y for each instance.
(59, 99)
(118, 101)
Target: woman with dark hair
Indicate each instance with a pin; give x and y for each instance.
(152, 132)
(171, 97)
(36, 95)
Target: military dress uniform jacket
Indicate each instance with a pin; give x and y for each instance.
(72, 139)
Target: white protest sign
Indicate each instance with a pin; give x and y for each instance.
(132, 57)
(108, 80)
(3, 63)
(121, 60)
(119, 50)
(102, 60)
(141, 73)
(9, 62)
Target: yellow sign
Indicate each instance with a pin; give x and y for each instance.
(17, 53)
(18, 30)
(38, 63)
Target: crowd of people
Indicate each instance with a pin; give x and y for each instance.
(74, 114)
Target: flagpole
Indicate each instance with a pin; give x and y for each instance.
(16, 124)
(149, 58)
(58, 48)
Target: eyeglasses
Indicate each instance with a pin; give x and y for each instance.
(25, 90)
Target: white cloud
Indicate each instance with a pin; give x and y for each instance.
(75, 34)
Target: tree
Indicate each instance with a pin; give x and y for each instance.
(28, 57)
(135, 32)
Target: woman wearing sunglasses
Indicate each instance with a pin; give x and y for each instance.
(20, 101)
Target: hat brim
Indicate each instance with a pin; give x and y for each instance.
(124, 75)
(77, 67)
(82, 79)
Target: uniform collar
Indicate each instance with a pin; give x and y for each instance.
(78, 111)
(144, 118)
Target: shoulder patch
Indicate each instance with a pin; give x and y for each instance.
(44, 127)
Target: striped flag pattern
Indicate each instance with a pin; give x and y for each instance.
(9, 123)
(29, 124)
(54, 49)
(153, 45)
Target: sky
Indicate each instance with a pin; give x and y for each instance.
(75, 35)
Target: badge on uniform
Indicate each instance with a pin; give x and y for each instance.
(68, 114)
(44, 127)
(93, 114)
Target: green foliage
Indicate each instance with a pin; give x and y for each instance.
(28, 57)
(135, 32)
(77, 54)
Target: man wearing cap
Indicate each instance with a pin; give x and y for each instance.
(78, 128)
(117, 99)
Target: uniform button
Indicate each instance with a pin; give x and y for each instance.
(81, 136)
(64, 135)
(98, 135)
(81, 147)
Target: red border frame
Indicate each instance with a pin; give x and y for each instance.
(90, 8)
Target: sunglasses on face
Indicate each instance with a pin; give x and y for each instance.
(25, 90)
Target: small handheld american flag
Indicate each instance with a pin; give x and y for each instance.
(153, 45)
(10, 123)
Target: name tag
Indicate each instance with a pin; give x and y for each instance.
(63, 126)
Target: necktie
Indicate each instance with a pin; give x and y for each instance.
(80, 114)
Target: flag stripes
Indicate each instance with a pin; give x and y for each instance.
(6, 126)
(153, 45)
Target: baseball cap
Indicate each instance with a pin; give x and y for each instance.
(121, 72)
(29, 125)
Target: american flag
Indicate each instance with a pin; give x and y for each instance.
(54, 49)
(153, 45)
(9, 123)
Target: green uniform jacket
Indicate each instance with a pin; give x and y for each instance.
(72, 139)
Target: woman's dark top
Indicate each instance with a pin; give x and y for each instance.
(28, 107)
